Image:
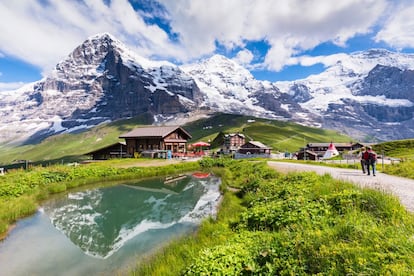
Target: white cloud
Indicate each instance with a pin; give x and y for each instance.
(398, 30)
(44, 32)
(288, 26)
(327, 61)
(8, 86)
(244, 57)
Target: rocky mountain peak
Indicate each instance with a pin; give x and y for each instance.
(85, 58)
(377, 53)
(100, 80)
(226, 67)
(389, 81)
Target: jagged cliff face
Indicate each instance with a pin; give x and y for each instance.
(116, 85)
(393, 83)
(102, 80)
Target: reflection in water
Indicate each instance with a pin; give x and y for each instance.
(101, 221)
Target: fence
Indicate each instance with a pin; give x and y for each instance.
(243, 156)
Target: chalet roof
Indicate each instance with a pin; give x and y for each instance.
(234, 134)
(159, 132)
(308, 152)
(256, 144)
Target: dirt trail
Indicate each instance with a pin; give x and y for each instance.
(401, 187)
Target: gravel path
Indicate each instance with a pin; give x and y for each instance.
(401, 187)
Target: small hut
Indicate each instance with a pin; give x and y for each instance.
(117, 150)
(307, 155)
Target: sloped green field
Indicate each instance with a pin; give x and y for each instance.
(281, 136)
(69, 147)
(63, 148)
(401, 148)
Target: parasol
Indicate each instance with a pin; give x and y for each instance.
(200, 144)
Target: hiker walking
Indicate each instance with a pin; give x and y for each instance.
(362, 160)
(372, 160)
(365, 157)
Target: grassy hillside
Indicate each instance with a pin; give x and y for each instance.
(70, 147)
(281, 136)
(401, 148)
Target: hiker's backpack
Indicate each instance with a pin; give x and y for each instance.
(372, 156)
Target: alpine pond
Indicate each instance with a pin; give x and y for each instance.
(106, 230)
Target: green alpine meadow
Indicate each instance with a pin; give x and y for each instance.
(292, 224)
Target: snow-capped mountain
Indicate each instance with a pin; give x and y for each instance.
(101, 80)
(229, 87)
(362, 94)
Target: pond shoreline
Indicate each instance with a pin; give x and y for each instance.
(178, 167)
(6, 233)
(158, 221)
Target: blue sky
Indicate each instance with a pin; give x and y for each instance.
(271, 38)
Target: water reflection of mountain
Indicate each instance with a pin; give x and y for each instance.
(100, 221)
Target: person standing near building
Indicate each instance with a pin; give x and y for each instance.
(362, 160)
(372, 160)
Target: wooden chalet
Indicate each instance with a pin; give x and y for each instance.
(117, 150)
(254, 147)
(150, 140)
(232, 142)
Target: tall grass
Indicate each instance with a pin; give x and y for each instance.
(14, 208)
(404, 169)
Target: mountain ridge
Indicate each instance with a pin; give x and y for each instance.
(367, 95)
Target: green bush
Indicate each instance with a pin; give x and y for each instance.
(302, 223)
(229, 259)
